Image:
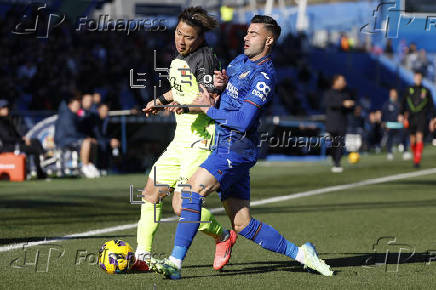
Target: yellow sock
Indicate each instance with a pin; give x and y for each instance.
(213, 228)
(147, 226)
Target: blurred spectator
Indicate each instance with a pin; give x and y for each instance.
(107, 143)
(421, 63)
(390, 112)
(87, 118)
(338, 104)
(357, 121)
(96, 100)
(375, 132)
(389, 50)
(11, 140)
(411, 55)
(67, 134)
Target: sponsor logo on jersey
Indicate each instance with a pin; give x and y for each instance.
(175, 85)
(261, 90)
(232, 90)
(265, 75)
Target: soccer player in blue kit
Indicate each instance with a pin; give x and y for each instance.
(249, 83)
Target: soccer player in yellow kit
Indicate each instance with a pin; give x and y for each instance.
(194, 135)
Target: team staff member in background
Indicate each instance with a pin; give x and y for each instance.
(417, 106)
(67, 133)
(338, 104)
(10, 138)
(390, 112)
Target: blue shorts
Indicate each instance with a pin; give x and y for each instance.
(232, 173)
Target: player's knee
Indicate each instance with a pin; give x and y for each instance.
(150, 193)
(203, 189)
(177, 207)
(240, 225)
(148, 196)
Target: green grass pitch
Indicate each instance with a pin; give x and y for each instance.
(353, 229)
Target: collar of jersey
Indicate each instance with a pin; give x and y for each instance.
(261, 60)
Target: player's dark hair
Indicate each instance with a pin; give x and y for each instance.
(419, 72)
(198, 17)
(270, 24)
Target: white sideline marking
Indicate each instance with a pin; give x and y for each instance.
(217, 210)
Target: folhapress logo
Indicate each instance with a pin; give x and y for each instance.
(38, 21)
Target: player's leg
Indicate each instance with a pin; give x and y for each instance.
(159, 184)
(148, 224)
(202, 183)
(269, 238)
(413, 143)
(191, 160)
(210, 226)
(390, 133)
(419, 146)
(337, 152)
(88, 168)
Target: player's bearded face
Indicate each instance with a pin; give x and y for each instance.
(255, 40)
(187, 38)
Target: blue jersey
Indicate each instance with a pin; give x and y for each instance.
(249, 88)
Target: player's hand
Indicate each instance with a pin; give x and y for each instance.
(204, 100)
(151, 108)
(176, 109)
(220, 79)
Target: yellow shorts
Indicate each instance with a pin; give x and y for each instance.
(177, 164)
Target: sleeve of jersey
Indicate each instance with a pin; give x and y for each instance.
(247, 115)
(204, 71)
(165, 86)
(240, 120)
(260, 90)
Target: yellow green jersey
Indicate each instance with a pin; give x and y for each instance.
(185, 75)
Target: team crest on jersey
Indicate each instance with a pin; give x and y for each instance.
(244, 74)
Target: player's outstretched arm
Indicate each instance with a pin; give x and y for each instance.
(154, 106)
(240, 120)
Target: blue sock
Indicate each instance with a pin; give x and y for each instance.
(269, 238)
(191, 211)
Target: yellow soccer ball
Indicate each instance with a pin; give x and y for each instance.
(116, 257)
(353, 157)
